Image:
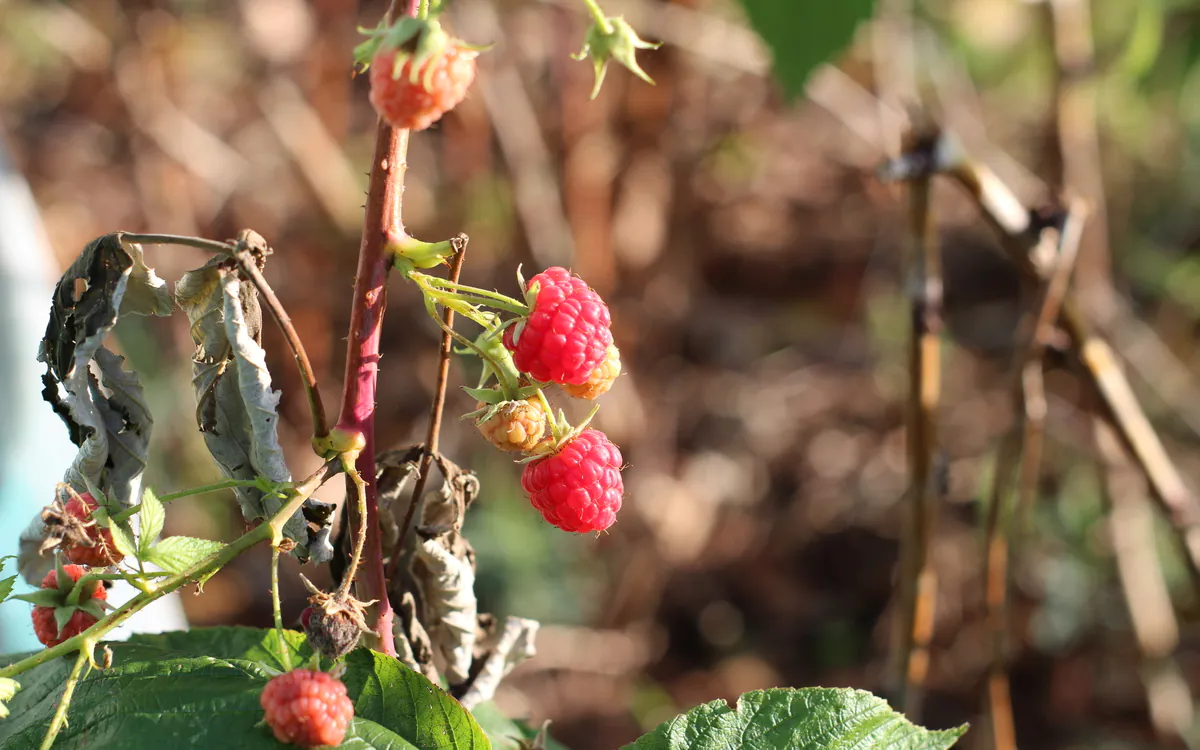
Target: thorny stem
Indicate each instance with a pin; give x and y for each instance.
(382, 220)
(249, 265)
(285, 656)
(269, 531)
(60, 713)
(360, 540)
(436, 409)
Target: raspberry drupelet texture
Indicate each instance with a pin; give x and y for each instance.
(567, 333)
(416, 101)
(94, 546)
(307, 708)
(516, 425)
(44, 625)
(601, 379)
(579, 487)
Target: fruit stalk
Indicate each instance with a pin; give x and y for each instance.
(436, 410)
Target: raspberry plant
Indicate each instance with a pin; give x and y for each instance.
(397, 654)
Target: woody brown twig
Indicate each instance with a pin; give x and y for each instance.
(918, 581)
(1018, 237)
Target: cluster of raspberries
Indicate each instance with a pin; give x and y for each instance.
(566, 339)
(71, 529)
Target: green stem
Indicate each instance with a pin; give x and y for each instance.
(60, 713)
(228, 484)
(271, 530)
(507, 385)
(285, 656)
(494, 299)
(360, 540)
(177, 239)
(598, 15)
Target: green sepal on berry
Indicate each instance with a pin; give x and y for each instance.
(612, 38)
(417, 39)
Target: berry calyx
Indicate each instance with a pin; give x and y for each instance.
(513, 425)
(567, 332)
(71, 528)
(601, 379)
(61, 612)
(578, 488)
(333, 623)
(307, 708)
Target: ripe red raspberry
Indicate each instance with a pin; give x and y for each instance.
(566, 335)
(95, 546)
(579, 487)
(307, 708)
(417, 100)
(516, 425)
(44, 625)
(601, 379)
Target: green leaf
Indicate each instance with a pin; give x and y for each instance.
(152, 516)
(200, 689)
(6, 584)
(802, 34)
(176, 554)
(122, 539)
(396, 697)
(786, 718)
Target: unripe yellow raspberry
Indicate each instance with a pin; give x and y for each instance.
(515, 426)
(601, 379)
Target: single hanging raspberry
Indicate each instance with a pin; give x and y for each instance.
(566, 335)
(72, 529)
(578, 488)
(418, 71)
(52, 601)
(515, 425)
(601, 379)
(307, 708)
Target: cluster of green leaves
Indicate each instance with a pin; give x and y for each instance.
(173, 554)
(185, 689)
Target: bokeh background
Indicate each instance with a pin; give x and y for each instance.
(753, 266)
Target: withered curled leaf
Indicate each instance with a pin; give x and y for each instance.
(236, 407)
(102, 404)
